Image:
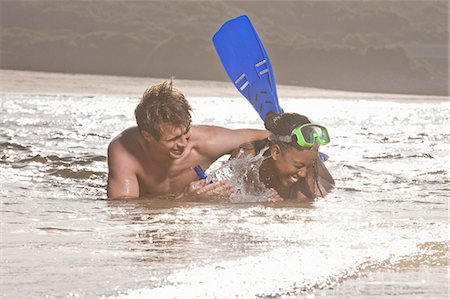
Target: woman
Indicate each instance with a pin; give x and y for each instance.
(292, 167)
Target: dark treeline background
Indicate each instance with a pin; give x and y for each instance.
(376, 46)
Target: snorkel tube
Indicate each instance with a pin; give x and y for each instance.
(201, 174)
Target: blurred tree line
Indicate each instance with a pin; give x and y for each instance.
(379, 46)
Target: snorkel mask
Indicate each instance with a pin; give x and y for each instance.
(306, 136)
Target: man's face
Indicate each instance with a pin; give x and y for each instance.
(175, 139)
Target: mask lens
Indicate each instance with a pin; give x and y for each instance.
(321, 135)
(309, 134)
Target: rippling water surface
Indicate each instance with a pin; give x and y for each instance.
(383, 231)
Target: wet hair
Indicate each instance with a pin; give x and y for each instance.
(162, 103)
(283, 124)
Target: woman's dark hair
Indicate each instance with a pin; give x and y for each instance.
(283, 124)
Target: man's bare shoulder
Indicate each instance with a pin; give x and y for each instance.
(124, 143)
(126, 135)
(123, 165)
(204, 133)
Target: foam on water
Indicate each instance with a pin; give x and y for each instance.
(244, 175)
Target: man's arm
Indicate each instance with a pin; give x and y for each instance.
(122, 179)
(220, 141)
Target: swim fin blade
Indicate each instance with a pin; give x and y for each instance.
(247, 64)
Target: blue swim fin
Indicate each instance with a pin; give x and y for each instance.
(247, 64)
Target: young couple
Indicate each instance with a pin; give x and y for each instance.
(157, 157)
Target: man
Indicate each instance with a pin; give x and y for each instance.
(158, 156)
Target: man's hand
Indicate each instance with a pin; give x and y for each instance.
(221, 191)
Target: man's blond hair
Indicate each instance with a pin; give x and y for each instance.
(162, 103)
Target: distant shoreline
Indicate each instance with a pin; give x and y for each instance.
(30, 82)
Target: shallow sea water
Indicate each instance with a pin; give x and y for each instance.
(382, 233)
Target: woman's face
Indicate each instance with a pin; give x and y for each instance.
(291, 164)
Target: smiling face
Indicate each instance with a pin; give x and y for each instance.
(173, 140)
(291, 164)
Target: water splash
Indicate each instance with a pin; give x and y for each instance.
(244, 174)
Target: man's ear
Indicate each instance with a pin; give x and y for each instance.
(275, 151)
(147, 136)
